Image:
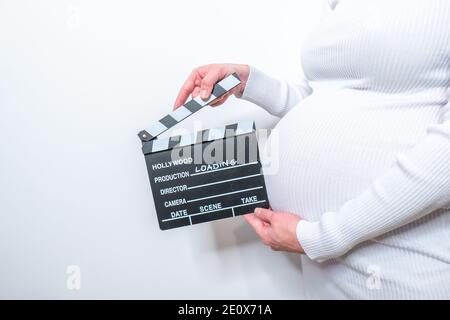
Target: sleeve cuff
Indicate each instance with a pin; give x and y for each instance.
(322, 240)
(308, 236)
(262, 90)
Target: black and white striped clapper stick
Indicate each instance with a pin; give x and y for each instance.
(192, 106)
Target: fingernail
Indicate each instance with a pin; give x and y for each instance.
(204, 94)
(257, 210)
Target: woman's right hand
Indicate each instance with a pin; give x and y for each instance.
(202, 80)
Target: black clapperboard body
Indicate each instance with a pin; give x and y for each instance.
(207, 175)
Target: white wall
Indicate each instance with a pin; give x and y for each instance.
(78, 80)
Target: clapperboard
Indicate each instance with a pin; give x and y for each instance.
(207, 175)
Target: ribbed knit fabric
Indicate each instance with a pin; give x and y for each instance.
(364, 146)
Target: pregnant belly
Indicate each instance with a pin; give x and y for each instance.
(329, 152)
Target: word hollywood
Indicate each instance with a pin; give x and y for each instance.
(232, 309)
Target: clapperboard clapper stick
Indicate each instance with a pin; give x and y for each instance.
(207, 175)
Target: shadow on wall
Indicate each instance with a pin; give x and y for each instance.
(237, 245)
(244, 236)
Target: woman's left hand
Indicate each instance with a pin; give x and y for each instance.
(276, 229)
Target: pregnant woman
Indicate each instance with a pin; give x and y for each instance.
(364, 140)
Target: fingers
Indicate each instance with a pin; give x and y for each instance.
(186, 89)
(195, 92)
(276, 229)
(255, 222)
(264, 214)
(208, 82)
(221, 100)
(259, 226)
(200, 82)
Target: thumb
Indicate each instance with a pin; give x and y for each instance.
(264, 214)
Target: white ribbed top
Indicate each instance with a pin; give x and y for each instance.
(365, 148)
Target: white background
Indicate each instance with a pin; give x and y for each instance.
(78, 80)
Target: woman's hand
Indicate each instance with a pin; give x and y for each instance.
(276, 229)
(202, 80)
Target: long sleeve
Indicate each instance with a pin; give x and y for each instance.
(275, 96)
(417, 184)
